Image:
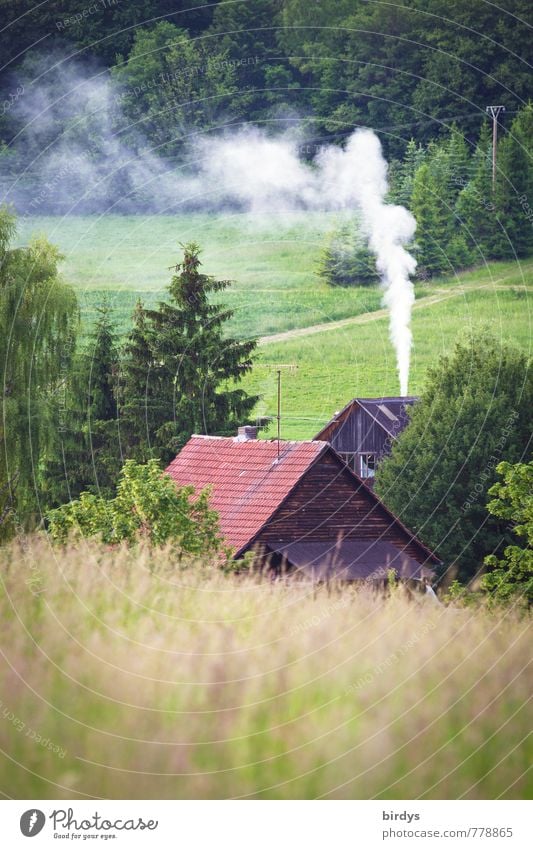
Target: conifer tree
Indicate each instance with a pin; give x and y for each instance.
(85, 455)
(515, 182)
(140, 411)
(196, 367)
(402, 186)
(433, 217)
(477, 206)
(347, 260)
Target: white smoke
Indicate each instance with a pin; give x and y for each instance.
(358, 175)
(81, 161)
(265, 174)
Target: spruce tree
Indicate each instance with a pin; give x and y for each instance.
(196, 366)
(402, 185)
(100, 374)
(478, 207)
(347, 260)
(433, 218)
(515, 182)
(140, 410)
(86, 453)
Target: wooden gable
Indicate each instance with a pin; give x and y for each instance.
(330, 503)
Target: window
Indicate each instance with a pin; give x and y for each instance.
(367, 465)
(350, 459)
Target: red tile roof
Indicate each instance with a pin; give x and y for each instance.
(249, 483)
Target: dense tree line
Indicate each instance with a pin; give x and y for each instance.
(463, 217)
(405, 69)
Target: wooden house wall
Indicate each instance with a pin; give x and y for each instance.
(360, 433)
(328, 503)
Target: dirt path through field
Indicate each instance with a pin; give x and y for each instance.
(365, 318)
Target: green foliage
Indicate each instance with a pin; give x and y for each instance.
(459, 596)
(148, 506)
(402, 183)
(181, 371)
(441, 246)
(346, 260)
(475, 408)
(247, 34)
(104, 30)
(511, 577)
(171, 84)
(38, 325)
(515, 183)
(477, 206)
(85, 453)
(395, 66)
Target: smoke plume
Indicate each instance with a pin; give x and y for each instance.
(75, 152)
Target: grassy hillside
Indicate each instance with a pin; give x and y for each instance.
(272, 262)
(138, 678)
(356, 357)
(337, 338)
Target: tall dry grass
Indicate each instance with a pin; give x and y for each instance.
(127, 675)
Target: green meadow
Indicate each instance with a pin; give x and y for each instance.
(332, 343)
(134, 674)
(271, 263)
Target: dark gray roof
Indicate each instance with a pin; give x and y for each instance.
(349, 560)
(389, 411)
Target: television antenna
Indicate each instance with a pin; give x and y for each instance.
(279, 368)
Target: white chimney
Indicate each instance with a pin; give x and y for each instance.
(246, 432)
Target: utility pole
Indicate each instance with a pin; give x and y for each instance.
(494, 112)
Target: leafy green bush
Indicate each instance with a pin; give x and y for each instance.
(511, 577)
(148, 505)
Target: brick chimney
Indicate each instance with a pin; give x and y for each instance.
(245, 433)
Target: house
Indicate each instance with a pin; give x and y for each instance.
(299, 507)
(362, 432)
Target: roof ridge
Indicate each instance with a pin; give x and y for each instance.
(259, 441)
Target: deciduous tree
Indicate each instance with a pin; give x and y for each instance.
(474, 410)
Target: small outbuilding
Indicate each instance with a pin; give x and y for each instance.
(363, 431)
(300, 508)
